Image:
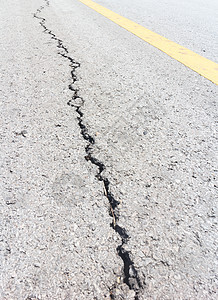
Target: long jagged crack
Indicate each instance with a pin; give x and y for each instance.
(130, 275)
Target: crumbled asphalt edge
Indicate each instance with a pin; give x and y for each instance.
(130, 276)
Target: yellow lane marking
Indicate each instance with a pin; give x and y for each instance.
(194, 61)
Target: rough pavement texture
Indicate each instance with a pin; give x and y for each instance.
(153, 121)
(56, 241)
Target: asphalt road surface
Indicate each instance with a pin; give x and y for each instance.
(108, 153)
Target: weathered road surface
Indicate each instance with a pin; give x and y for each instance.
(108, 156)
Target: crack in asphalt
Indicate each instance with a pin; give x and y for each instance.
(130, 274)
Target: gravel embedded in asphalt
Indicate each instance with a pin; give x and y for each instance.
(57, 241)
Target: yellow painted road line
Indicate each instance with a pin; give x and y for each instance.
(194, 61)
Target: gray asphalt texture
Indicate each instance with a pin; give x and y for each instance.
(151, 233)
(192, 24)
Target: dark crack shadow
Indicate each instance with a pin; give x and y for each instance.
(130, 274)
